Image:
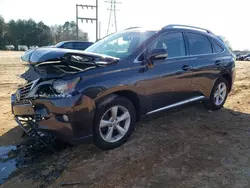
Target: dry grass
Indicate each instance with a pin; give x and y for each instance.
(189, 148)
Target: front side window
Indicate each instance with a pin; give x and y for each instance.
(121, 44)
(172, 42)
(198, 44)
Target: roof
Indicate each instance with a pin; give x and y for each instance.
(173, 26)
(76, 41)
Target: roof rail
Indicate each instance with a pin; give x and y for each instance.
(186, 26)
(132, 28)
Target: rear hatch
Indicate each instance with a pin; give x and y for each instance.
(56, 62)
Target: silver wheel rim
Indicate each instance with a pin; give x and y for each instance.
(114, 124)
(220, 94)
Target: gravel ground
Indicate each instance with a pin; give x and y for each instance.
(186, 148)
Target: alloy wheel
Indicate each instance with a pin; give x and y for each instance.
(220, 94)
(114, 124)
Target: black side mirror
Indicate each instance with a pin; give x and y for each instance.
(156, 54)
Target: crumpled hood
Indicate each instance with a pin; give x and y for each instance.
(56, 62)
(40, 55)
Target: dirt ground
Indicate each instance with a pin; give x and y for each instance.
(188, 148)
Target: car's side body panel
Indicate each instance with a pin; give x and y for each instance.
(168, 83)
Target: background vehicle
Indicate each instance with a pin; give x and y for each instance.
(22, 48)
(238, 56)
(247, 58)
(241, 57)
(77, 45)
(33, 47)
(10, 47)
(101, 92)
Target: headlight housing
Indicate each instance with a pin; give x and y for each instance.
(65, 86)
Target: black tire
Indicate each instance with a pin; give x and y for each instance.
(211, 104)
(101, 108)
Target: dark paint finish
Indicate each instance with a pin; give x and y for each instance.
(148, 86)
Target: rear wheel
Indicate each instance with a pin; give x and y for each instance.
(114, 122)
(218, 95)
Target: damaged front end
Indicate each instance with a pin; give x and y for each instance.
(49, 102)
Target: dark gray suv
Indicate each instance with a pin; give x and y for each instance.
(99, 94)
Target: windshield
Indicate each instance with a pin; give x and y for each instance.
(120, 45)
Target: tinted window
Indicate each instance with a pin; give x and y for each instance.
(217, 48)
(198, 44)
(172, 42)
(68, 45)
(81, 45)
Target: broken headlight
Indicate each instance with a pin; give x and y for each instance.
(65, 86)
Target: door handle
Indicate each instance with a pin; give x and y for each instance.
(218, 62)
(186, 68)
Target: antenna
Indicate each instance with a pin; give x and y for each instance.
(112, 15)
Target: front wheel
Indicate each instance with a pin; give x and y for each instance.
(218, 95)
(114, 122)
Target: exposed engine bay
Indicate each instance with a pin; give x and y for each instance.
(49, 102)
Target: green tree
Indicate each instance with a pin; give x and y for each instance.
(2, 31)
(28, 32)
(45, 35)
(67, 31)
(2, 26)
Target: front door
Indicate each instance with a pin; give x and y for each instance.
(169, 80)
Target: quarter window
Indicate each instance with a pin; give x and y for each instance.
(172, 42)
(217, 48)
(198, 44)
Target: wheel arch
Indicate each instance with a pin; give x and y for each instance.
(130, 95)
(228, 78)
(133, 97)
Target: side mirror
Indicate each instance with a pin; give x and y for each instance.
(156, 54)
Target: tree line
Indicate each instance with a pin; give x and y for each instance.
(30, 33)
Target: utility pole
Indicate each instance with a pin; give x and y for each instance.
(112, 15)
(87, 18)
(96, 20)
(99, 30)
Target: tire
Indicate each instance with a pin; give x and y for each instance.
(212, 104)
(105, 122)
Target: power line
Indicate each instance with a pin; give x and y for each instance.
(112, 15)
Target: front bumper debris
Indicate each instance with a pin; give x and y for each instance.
(25, 125)
(46, 115)
(23, 109)
(29, 127)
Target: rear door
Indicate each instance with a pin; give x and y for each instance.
(206, 62)
(169, 79)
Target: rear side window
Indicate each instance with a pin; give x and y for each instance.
(68, 45)
(81, 45)
(198, 44)
(172, 42)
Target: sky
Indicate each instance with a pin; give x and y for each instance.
(222, 17)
